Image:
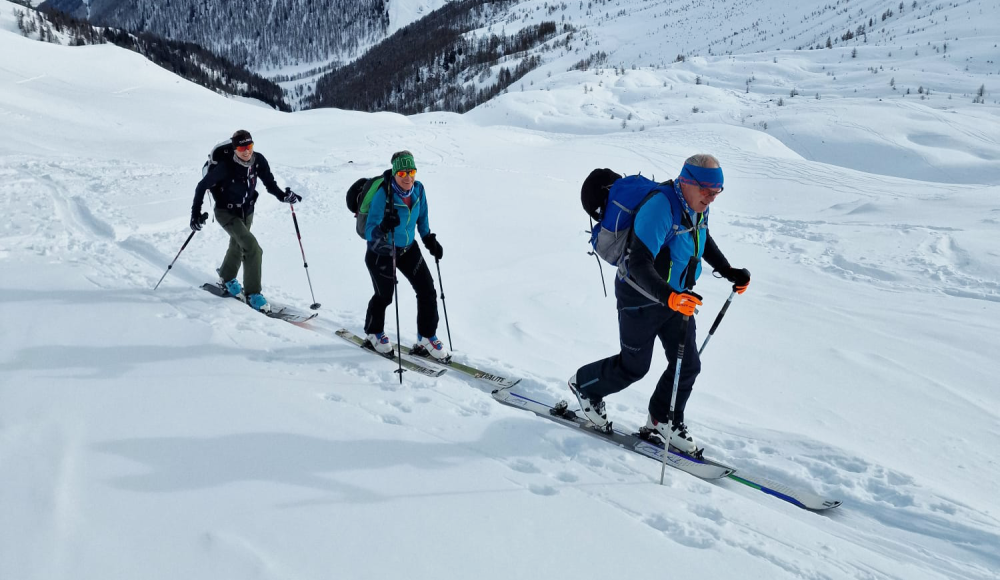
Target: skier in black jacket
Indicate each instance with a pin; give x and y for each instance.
(233, 182)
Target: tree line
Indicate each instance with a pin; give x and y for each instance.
(436, 64)
(184, 59)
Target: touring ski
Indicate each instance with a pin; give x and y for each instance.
(408, 364)
(286, 313)
(560, 413)
(495, 380)
(651, 445)
(803, 499)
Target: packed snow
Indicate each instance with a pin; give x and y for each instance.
(171, 434)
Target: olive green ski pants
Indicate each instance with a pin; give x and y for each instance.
(243, 250)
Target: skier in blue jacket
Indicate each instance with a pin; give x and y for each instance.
(654, 295)
(398, 212)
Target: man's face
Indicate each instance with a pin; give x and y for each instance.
(699, 198)
(245, 152)
(405, 179)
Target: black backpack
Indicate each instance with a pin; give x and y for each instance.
(359, 199)
(594, 193)
(222, 150)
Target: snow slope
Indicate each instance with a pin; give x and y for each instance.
(170, 434)
(405, 12)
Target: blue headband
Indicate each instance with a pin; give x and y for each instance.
(710, 177)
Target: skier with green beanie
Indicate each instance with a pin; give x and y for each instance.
(398, 212)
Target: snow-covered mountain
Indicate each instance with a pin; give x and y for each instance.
(632, 66)
(184, 59)
(296, 43)
(170, 434)
(292, 35)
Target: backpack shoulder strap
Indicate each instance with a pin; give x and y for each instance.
(387, 183)
(652, 193)
(682, 221)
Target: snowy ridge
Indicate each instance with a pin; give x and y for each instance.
(172, 434)
(919, 70)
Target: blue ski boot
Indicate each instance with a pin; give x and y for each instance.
(233, 286)
(259, 303)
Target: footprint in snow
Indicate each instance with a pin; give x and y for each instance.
(567, 477)
(709, 513)
(523, 466)
(684, 534)
(542, 490)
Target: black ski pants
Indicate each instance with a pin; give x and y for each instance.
(640, 322)
(410, 263)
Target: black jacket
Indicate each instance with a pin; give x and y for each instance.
(234, 186)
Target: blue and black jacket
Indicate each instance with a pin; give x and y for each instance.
(411, 219)
(667, 233)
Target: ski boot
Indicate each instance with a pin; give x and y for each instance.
(678, 436)
(259, 303)
(592, 409)
(379, 343)
(431, 348)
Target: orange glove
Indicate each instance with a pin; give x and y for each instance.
(684, 302)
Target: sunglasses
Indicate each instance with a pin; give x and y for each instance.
(247, 147)
(404, 173)
(703, 188)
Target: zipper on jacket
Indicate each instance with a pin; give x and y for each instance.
(409, 217)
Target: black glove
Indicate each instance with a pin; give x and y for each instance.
(740, 277)
(291, 196)
(389, 222)
(432, 245)
(198, 220)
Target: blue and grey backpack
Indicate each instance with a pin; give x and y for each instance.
(612, 201)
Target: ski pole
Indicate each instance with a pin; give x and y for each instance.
(691, 269)
(673, 395)
(443, 303)
(395, 298)
(204, 216)
(390, 237)
(295, 220)
(718, 319)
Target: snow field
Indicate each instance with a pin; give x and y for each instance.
(170, 434)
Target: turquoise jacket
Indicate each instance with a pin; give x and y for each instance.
(411, 220)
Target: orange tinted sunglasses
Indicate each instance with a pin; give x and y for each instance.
(404, 173)
(247, 147)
